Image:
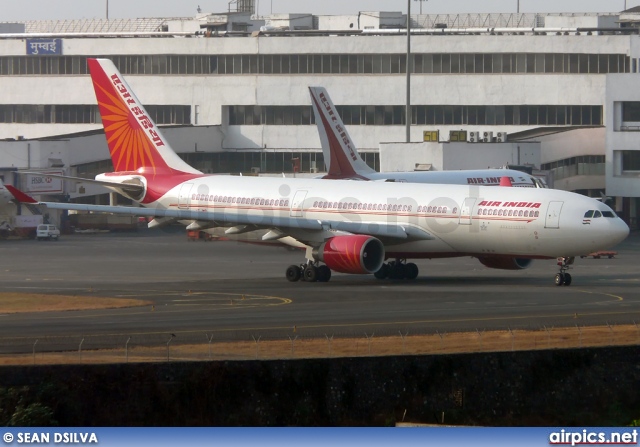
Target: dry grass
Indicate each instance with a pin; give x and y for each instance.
(293, 348)
(26, 302)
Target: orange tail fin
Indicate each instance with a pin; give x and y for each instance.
(135, 142)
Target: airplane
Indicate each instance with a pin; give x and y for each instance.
(5, 195)
(348, 226)
(7, 208)
(344, 162)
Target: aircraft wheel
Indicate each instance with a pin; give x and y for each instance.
(411, 271)
(310, 273)
(293, 273)
(567, 279)
(383, 272)
(324, 273)
(559, 279)
(398, 271)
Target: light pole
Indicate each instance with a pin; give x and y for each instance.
(408, 109)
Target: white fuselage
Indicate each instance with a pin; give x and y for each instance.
(461, 220)
(479, 177)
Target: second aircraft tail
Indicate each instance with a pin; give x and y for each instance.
(340, 154)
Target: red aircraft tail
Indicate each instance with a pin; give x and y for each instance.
(135, 142)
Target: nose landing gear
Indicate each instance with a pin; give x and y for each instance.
(563, 278)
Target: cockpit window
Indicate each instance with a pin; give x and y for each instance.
(588, 213)
(609, 214)
(597, 214)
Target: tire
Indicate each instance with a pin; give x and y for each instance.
(293, 273)
(398, 271)
(559, 279)
(310, 273)
(324, 273)
(411, 271)
(383, 273)
(567, 279)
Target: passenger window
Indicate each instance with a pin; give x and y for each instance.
(588, 213)
(597, 214)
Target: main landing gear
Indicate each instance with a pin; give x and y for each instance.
(398, 269)
(563, 278)
(310, 272)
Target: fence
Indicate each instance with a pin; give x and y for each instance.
(294, 344)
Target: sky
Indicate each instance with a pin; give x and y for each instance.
(11, 10)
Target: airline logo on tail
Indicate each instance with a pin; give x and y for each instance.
(339, 129)
(337, 146)
(131, 135)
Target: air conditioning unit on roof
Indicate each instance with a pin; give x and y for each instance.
(474, 137)
(487, 137)
(501, 137)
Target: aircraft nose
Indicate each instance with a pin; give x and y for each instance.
(621, 230)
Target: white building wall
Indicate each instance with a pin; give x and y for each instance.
(210, 95)
(573, 143)
(397, 157)
(566, 20)
(621, 87)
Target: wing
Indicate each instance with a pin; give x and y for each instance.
(286, 225)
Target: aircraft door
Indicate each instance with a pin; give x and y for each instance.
(553, 215)
(185, 196)
(466, 210)
(297, 202)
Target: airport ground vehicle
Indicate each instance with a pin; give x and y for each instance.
(47, 232)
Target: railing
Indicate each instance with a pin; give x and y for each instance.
(297, 344)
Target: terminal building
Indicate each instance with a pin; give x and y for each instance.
(557, 93)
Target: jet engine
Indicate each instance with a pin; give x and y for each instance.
(506, 263)
(351, 254)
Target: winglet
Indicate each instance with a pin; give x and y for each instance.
(19, 195)
(505, 181)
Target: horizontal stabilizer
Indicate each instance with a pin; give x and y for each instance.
(20, 196)
(133, 189)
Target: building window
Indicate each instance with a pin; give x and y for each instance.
(582, 165)
(424, 115)
(631, 111)
(324, 64)
(630, 161)
(84, 114)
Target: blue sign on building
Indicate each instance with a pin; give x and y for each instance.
(44, 47)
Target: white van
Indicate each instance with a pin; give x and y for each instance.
(45, 231)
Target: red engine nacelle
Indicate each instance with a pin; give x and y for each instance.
(506, 263)
(351, 254)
